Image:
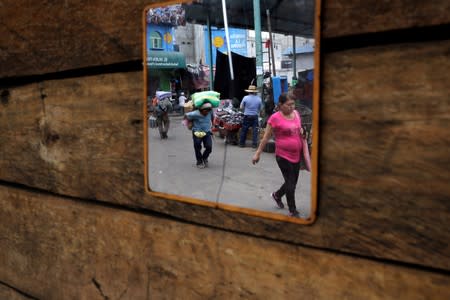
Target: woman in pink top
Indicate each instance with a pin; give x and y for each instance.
(286, 126)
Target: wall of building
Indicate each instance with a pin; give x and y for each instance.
(76, 222)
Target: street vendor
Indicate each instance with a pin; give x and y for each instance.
(251, 105)
(201, 133)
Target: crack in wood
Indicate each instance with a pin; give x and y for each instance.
(99, 288)
(22, 293)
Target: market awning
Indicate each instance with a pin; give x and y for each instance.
(166, 60)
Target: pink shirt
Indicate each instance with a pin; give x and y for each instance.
(288, 144)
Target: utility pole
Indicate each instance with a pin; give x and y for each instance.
(274, 72)
(294, 61)
(258, 44)
(210, 62)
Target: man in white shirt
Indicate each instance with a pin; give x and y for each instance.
(181, 102)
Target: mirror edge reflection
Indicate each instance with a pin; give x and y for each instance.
(315, 137)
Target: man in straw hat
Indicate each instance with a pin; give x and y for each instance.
(251, 105)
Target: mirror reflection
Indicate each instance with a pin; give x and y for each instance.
(229, 88)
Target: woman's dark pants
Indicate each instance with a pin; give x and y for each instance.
(290, 173)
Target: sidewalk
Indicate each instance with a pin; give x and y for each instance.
(231, 178)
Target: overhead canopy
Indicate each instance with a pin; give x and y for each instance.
(287, 16)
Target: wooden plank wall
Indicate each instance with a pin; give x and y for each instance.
(79, 250)
(72, 175)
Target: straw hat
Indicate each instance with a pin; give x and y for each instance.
(252, 89)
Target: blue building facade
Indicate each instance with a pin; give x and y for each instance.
(238, 41)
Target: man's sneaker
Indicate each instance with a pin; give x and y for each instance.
(205, 163)
(277, 200)
(200, 165)
(294, 213)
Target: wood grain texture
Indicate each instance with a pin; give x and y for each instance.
(385, 135)
(382, 192)
(403, 82)
(56, 248)
(382, 105)
(8, 293)
(51, 36)
(77, 136)
(384, 141)
(343, 17)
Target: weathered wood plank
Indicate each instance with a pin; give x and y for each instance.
(343, 17)
(89, 144)
(11, 294)
(84, 251)
(416, 151)
(51, 36)
(384, 150)
(385, 215)
(381, 195)
(77, 136)
(403, 82)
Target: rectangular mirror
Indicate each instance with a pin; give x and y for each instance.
(244, 74)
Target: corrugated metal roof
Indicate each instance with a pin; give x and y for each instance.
(289, 17)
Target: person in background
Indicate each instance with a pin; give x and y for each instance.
(181, 102)
(286, 126)
(162, 109)
(201, 133)
(251, 105)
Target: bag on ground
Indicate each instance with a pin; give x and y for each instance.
(152, 122)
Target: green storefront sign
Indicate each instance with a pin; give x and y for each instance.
(165, 60)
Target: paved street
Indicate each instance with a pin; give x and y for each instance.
(231, 177)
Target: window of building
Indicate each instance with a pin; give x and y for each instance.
(156, 40)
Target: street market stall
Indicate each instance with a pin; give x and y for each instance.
(228, 122)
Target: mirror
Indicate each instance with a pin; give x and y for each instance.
(194, 48)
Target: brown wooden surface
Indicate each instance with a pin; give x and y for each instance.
(8, 293)
(344, 17)
(384, 159)
(80, 136)
(50, 36)
(382, 191)
(387, 84)
(88, 251)
(383, 186)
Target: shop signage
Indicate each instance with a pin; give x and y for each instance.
(166, 60)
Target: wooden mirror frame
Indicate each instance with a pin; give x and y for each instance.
(315, 137)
